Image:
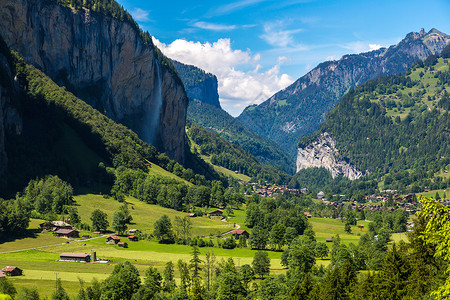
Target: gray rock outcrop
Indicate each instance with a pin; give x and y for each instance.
(323, 153)
(104, 62)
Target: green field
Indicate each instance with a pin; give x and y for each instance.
(41, 266)
(145, 215)
(327, 228)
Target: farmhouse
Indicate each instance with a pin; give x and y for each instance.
(78, 257)
(133, 238)
(329, 240)
(238, 233)
(67, 233)
(122, 244)
(132, 231)
(12, 271)
(112, 240)
(216, 213)
(360, 225)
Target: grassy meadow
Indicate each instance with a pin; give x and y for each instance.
(41, 266)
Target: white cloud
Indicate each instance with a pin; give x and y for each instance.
(275, 35)
(234, 6)
(213, 26)
(374, 47)
(241, 81)
(359, 47)
(140, 15)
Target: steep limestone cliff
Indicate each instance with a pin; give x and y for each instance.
(199, 85)
(10, 120)
(323, 153)
(104, 62)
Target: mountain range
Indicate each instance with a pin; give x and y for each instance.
(300, 108)
(394, 130)
(204, 109)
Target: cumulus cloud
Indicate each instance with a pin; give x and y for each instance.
(241, 81)
(140, 15)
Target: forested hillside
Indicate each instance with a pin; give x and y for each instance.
(397, 127)
(265, 151)
(300, 108)
(223, 153)
(63, 135)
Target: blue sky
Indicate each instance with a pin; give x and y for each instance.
(257, 47)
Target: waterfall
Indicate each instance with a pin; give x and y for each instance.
(153, 110)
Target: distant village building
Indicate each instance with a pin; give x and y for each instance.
(122, 244)
(329, 240)
(12, 271)
(55, 225)
(360, 225)
(307, 214)
(239, 232)
(112, 240)
(191, 215)
(77, 257)
(133, 231)
(216, 213)
(320, 195)
(133, 238)
(67, 233)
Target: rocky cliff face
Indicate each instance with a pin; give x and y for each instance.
(10, 119)
(104, 62)
(306, 102)
(199, 84)
(323, 153)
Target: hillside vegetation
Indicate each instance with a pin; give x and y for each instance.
(63, 135)
(223, 153)
(397, 127)
(264, 150)
(300, 108)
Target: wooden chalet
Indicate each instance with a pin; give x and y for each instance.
(114, 239)
(240, 232)
(191, 215)
(133, 231)
(12, 271)
(218, 213)
(329, 240)
(133, 238)
(360, 225)
(67, 233)
(307, 214)
(77, 257)
(122, 244)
